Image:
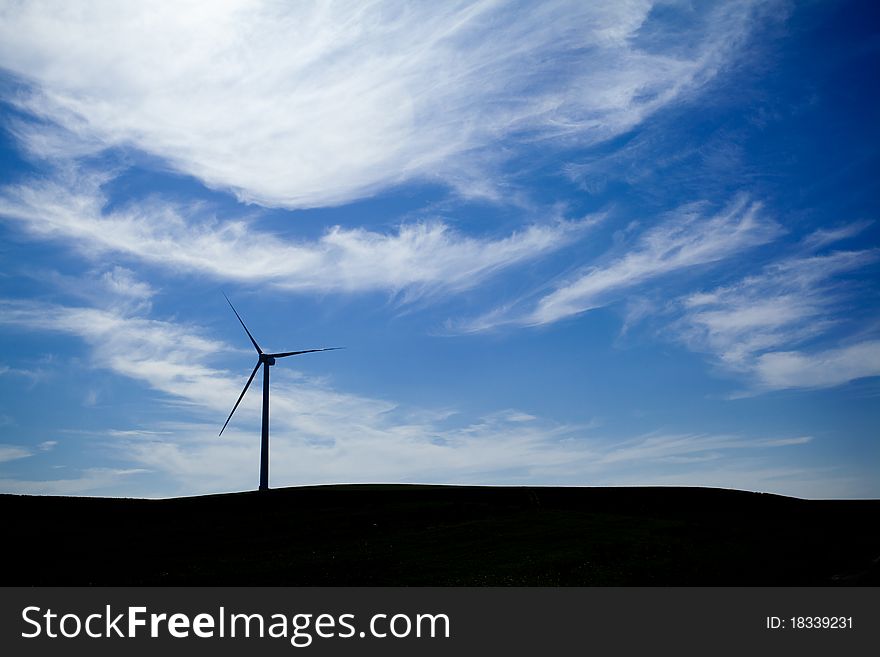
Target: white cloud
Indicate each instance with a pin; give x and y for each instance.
(13, 452)
(785, 303)
(34, 375)
(92, 480)
(113, 287)
(688, 447)
(818, 369)
(121, 282)
(750, 326)
(686, 238)
(301, 105)
(415, 258)
(166, 356)
(825, 236)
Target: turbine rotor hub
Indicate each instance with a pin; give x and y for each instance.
(267, 359)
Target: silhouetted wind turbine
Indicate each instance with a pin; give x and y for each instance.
(266, 360)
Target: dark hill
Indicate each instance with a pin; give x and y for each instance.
(443, 535)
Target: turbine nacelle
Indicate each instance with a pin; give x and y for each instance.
(266, 358)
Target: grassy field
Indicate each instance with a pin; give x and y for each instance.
(439, 535)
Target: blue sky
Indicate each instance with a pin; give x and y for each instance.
(563, 242)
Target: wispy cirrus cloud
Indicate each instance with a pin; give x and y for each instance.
(169, 357)
(103, 286)
(427, 256)
(303, 105)
(752, 325)
(826, 368)
(34, 374)
(688, 447)
(786, 303)
(825, 236)
(88, 481)
(13, 452)
(685, 238)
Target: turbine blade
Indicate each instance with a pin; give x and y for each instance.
(256, 346)
(241, 396)
(285, 354)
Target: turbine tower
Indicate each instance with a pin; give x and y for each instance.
(267, 361)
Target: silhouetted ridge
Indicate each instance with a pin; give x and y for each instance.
(444, 535)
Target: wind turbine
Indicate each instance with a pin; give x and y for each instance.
(267, 361)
